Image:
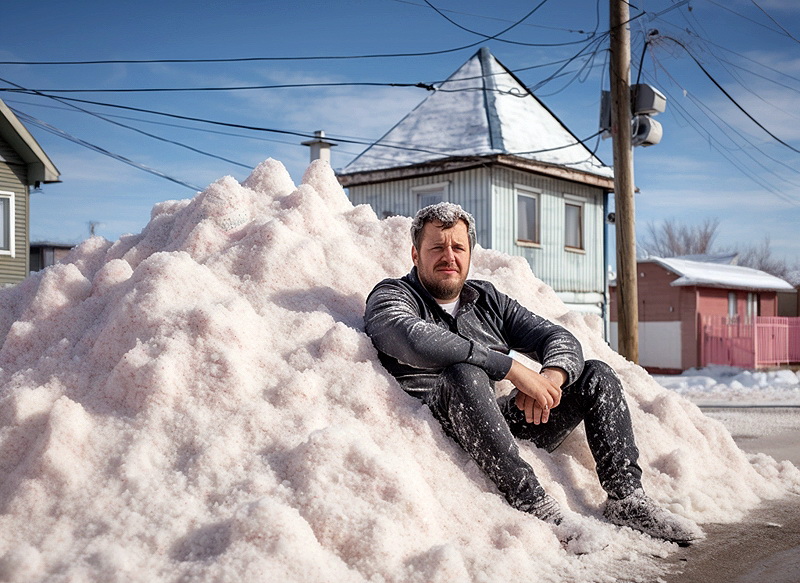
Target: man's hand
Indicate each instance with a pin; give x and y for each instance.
(538, 392)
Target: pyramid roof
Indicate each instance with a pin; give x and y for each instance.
(480, 110)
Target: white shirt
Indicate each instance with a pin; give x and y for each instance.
(452, 307)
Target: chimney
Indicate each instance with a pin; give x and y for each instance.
(320, 147)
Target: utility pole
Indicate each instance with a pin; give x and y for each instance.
(625, 217)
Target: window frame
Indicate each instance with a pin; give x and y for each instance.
(580, 203)
(10, 225)
(438, 188)
(521, 190)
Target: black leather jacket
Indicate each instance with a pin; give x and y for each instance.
(416, 339)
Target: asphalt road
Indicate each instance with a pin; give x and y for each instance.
(765, 547)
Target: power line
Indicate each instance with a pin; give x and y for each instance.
(235, 125)
(420, 85)
(61, 133)
(730, 97)
(496, 37)
(486, 17)
(778, 24)
(137, 130)
(431, 86)
(742, 16)
(269, 59)
(721, 149)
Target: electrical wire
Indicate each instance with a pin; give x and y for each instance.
(61, 133)
(137, 130)
(427, 86)
(485, 36)
(729, 96)
(742, 16)
(778, 24)
(486, 17)
(270, 59)
(726, 153)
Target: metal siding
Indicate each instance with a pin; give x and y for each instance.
(488, 193)
(564, 271)
(469, 188)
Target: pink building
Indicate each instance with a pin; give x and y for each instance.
(681, 301)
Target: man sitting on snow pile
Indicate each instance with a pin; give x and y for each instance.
(446, 340)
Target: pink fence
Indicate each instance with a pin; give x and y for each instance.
(749, 342)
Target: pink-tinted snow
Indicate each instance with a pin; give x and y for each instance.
(198, 402)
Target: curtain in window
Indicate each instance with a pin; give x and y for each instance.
(573, 227)
(526, 218)
(429, 198)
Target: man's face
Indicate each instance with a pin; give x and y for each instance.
(442, 259)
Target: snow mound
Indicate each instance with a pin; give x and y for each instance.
(718, 384)
(199, 402)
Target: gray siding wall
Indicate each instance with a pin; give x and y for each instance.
(564, 270)
(12, 174)
(490, 195)
(470, 188)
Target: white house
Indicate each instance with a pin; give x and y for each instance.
(482, 140)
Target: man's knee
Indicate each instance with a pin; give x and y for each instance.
(598, 379)
(599, 369)
(464, 383)
(465, 375)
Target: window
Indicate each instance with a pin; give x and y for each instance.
(753, 305)
(430, 194)
(527, 216)
(6, 223)
(573, 224)
(732, 305)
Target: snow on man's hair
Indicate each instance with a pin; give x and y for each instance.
(446, 213)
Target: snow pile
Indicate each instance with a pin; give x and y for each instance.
(724, 384)
(199, 402)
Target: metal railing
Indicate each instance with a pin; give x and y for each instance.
(753, 342)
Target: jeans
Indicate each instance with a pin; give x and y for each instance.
(464, 403)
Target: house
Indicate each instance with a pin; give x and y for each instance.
(23, 164)
(691, 310)
(484, 141)
(789, 301)
(45, 253)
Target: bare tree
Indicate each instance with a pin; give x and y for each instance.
(672, 239)
(761, 257)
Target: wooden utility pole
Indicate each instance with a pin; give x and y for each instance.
(625, 214)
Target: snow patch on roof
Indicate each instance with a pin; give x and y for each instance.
(482, 109)
(721, 275)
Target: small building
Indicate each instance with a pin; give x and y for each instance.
(45, 253)
(684, 303)
(484, 141)
(23, 164)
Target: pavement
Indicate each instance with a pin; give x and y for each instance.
(765, 546)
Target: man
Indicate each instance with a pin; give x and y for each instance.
(446, 340)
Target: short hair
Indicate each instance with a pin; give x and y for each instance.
(446, 213)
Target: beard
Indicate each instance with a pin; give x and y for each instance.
(448, 289)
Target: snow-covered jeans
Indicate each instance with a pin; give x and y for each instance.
(464, 403)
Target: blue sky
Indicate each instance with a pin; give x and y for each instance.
(714, 160)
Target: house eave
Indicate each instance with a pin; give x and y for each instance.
(730, 286)
(464, 163)
(40, 168)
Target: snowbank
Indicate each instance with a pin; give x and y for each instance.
(199, 402)
(726, 385)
